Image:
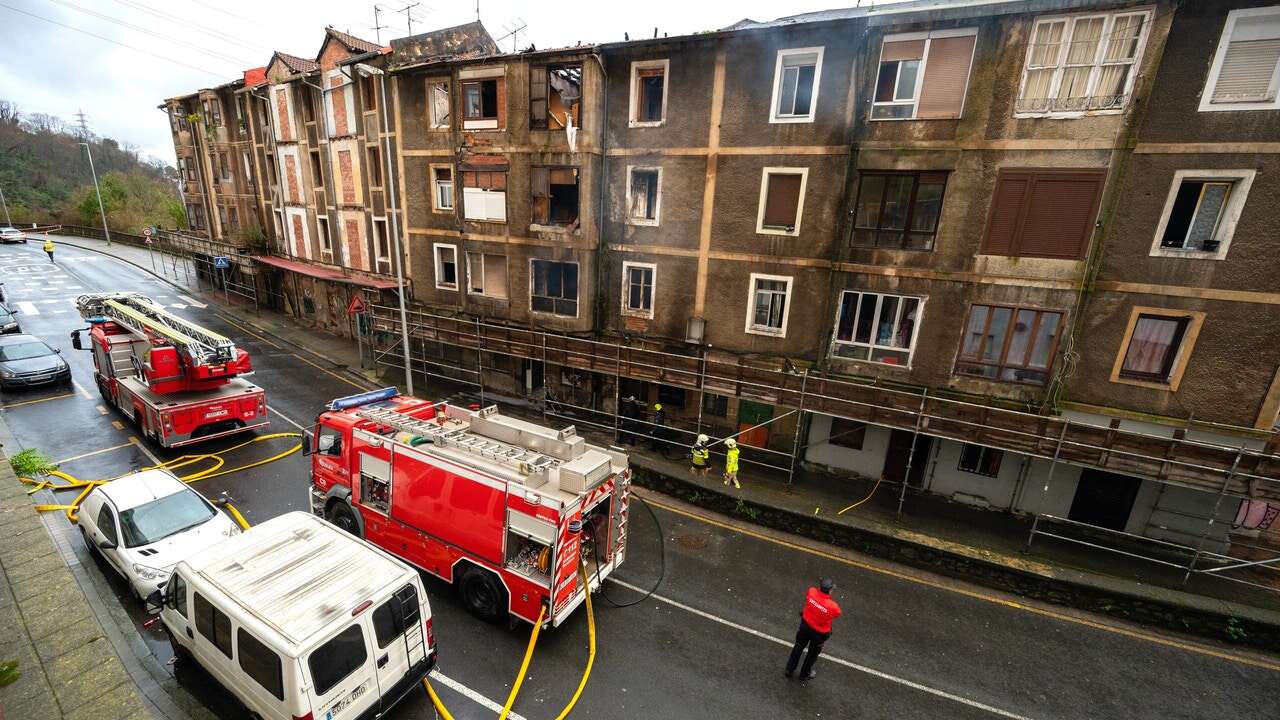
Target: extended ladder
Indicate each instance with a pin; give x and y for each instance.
(140, 313)
(525, 460)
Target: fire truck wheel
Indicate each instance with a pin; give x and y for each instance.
(484, 595)
(341, 515)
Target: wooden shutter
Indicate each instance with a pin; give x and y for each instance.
(782, 200)
(946, 77)
(538, 97)
(540, 188)
(1006, 210)
(1043, 213)
(902, 50)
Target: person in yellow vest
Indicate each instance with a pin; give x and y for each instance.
(48, 247)
(731, 463)
(700, 456)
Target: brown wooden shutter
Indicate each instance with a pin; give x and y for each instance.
(946, 77)
(1006, 211)
(540, 188)
(782, 198)
(538, 97)
(1060, 214)
(902, 50)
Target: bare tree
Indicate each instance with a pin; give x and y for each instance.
(9, 112)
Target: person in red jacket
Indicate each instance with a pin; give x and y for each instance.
(815, 627)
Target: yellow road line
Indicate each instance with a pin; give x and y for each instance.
(91, 454)
(322, 369)
(1168, 642)
(33, 402)
(101, 410)
(117, 424)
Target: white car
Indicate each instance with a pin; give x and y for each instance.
(12, 235)
(144, 524)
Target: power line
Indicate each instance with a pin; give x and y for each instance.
(211, 53)
(114, 42)
(178, 20)
(211, 6)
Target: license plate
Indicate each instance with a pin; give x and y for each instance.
(215, 413)
(345, 702)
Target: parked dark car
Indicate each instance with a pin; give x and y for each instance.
(26, 360)
(8, 318)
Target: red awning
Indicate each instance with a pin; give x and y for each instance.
(323, 273)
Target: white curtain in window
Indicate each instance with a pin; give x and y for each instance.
(1152, 338)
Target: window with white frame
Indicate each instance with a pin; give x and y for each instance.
(553, 287)
(1201, 212)
(637, 288)
(438, 104)
(649, 93)
(1082, 63)
(644, 195)
(441, 188)
(326, 242)
(381, 246)
(795, 85)
(446, 266)
(781, 200)
(1245, 74)
(923, 75)
(877, 327)
(769, 304)
(484, 195)
(487, 275)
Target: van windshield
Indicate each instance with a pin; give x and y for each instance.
(161, 518)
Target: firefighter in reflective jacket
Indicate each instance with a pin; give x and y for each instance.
(731, 463)
(48, 247)
(699, 455)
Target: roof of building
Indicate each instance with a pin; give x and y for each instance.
(351, 42)
(297, 574)
(255, 76)
(295, 63)
(459, 41)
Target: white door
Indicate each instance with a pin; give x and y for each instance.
(343, 681)
(399, 641)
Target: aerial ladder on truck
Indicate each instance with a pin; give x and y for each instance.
(177, 381)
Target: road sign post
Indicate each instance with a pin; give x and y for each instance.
(221, 263)
(146, 235)
(357, 309)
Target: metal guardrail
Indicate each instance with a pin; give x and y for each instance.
(1221, 564)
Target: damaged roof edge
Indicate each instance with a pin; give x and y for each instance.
(495, 58)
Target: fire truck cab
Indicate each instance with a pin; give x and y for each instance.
(504, 509)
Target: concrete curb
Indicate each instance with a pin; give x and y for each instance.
(220, 310)
(1242, 625)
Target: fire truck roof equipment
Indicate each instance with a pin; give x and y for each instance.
(140, 313)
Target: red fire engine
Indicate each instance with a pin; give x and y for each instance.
(504, 509)
(179, 382)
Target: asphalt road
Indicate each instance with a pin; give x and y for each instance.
(712, 642)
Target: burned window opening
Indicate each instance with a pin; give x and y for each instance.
(555, 196)
(555, 92)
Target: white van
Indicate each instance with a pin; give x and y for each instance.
(299, 619)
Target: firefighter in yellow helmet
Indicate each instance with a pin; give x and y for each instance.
(731, 463)
(658, 431)
(700, 456)
(48, 247)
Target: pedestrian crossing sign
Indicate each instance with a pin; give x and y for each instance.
(221, 262)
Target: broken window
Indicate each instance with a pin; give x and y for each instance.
(648, 92)
(898, 209)
(555, 195)
(438, 104)
(442, 184)
(1010, 344)
(487, 275)
(484, 195)
(225, 161)
(480, 104)
(1197, 212)
(381, 246)
(308, 104)
(375, 167)
(637, 288)
(370, 94)
(796, 84)
(555, 288)
(554, 95)
(322, 233)
(642, 195)
(781, 195)
(446, 267)
(980, 460)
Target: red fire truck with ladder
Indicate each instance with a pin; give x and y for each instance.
(178, 382)
(504, 509)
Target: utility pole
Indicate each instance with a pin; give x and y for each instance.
(7, 221)
(101, 209)
(84, 125)
(408, 16)
(377, 25)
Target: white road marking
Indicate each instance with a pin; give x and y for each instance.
(294, 423)
(471, 695)
(839, 661)
(27, 307)
(180, 306)
(80, 387)
(196, 303)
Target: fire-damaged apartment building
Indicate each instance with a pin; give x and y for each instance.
(1010, 253)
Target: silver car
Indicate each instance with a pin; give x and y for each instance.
(12, 235)
(26, 360)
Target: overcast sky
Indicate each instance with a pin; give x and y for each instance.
(178, 46)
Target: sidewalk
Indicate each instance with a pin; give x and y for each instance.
(933, 533)
(69, 667)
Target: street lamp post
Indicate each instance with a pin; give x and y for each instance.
(98, 190)
(365, 69)
(5, 203)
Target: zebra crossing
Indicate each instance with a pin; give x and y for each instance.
(50, 306)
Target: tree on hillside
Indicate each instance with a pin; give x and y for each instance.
(132, 201)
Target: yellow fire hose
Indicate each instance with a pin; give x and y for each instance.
(215, 470)
(528, 655)
(868, 497)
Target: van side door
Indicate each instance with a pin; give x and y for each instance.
(343, 681)
(265, 672)
(399, 640)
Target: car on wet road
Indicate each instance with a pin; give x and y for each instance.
(26, 360)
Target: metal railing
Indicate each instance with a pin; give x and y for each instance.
(1189, 559)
